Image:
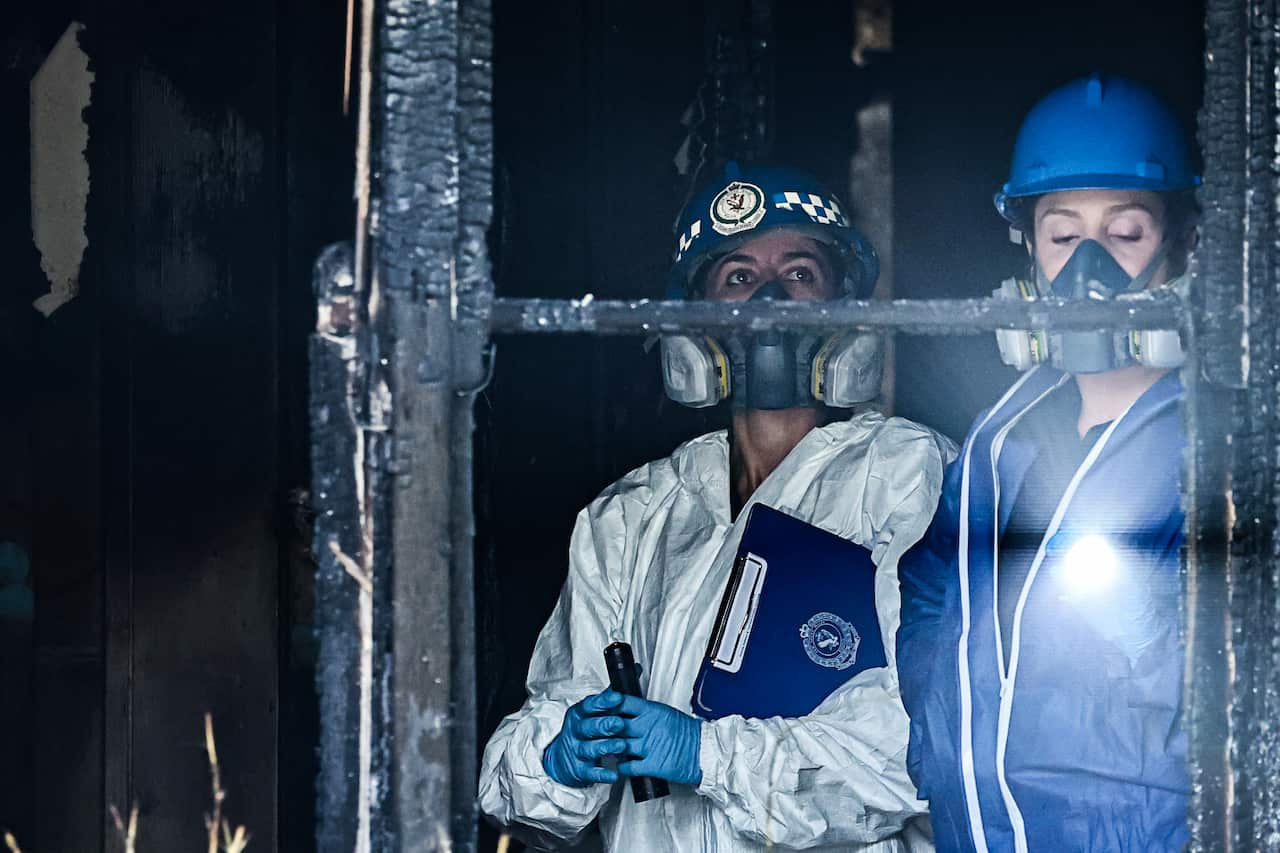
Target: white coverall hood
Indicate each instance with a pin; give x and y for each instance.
(648, 563)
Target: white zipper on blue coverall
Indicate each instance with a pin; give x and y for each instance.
(997, 446)
(974, 808)
(1007, 688)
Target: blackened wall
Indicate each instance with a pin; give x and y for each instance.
(21, 51)
(160, 487)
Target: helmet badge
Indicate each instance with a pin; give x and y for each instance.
(737, 207)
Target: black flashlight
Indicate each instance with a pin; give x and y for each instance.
(624, 678)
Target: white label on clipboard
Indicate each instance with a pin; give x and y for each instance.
(732, 647)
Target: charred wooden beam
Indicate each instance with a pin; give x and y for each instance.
(344, 654)
(1232, 688)
(402, 325)
(919, 316)
(738, 90)
(473, 283)
(1249, 157)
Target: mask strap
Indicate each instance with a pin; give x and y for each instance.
(1142, 279)
(1043, 284)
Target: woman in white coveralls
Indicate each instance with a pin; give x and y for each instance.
(650, 558)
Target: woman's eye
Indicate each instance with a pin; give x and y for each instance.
(801, 274)
(1063, 239)
(1128, 238)
(739, 277)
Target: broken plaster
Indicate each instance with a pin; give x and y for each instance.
(60, 92)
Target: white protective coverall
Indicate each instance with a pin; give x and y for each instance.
(649, 561)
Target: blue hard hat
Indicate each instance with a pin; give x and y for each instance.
(1099, 132)
(746, 201)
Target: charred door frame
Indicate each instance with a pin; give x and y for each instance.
(1232, 688)
(403, 324)
(399, 347)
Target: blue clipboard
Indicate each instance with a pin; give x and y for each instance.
(798, 619)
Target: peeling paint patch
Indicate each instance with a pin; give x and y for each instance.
(60, 92)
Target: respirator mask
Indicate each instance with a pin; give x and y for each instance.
(773, 369)
(1090, 273)
(770, 369)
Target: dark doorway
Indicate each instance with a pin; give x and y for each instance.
(588, 191)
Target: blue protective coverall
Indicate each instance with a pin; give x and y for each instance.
(1076, 743)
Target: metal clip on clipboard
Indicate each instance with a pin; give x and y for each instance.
(737, 613)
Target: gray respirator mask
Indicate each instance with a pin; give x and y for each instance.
(773, 369)
(1090, 273)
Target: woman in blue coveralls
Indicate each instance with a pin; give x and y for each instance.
(1039, 650)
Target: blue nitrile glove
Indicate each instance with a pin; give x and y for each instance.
(590, 731)
(661, 742)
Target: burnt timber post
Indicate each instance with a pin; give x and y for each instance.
(397, 356)
(1232, 494)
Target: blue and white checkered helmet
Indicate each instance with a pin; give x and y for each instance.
(747, 201)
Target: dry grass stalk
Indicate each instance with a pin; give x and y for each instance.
(346, 65)
(214, 821)
(233, 841)
(128, 834)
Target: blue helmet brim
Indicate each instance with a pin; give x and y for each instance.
(861, 258)
(1068, 183)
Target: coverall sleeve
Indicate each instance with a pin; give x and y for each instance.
(838, 775)
(567, 666)
(924, 576)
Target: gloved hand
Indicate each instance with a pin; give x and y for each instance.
(590, 731)
(660, 742)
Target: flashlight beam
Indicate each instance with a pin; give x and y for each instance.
(916, 316)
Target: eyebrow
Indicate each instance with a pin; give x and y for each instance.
(1133, 205)
(1115, 208)
(1061, 211)
(801, 254)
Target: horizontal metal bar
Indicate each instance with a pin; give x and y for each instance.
(919, 316)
